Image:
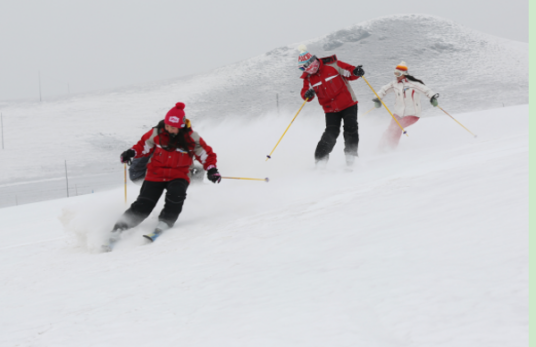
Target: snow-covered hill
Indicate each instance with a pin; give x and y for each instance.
(470, 70)
(453, 59)
(427, 246)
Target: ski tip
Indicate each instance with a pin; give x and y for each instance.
(148, 238)
(267, 179)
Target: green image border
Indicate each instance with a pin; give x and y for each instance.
(532, 166)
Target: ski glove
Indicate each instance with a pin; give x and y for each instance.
(377, 103)
(309, 94)
(358, 71)
(213, 175)
(433, 100)
(126, 156)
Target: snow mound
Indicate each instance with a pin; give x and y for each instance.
(471, 70)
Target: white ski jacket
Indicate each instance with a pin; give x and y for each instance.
(408, 96)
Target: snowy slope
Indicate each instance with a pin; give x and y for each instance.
(471, 71)
(427, 246)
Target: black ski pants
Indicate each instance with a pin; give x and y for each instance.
(333, 129)
(150, 193)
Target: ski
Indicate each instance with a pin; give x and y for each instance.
(116, 234)
(108, 247)
(154, 235)
(160, 228)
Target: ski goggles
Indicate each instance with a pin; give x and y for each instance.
(308, 63)
(313, 67)
(399, 73)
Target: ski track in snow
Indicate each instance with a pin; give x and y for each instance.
(425, 246)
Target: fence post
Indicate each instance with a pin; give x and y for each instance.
(66, 178)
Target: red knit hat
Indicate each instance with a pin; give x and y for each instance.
(175, 116)
(305, 57)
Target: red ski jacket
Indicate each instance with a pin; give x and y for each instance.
(331, 85)
(166, 165)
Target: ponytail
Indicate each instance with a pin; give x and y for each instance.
(411, 78)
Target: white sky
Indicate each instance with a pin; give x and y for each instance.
(80, 46)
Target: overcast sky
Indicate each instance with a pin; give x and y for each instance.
(81, 46)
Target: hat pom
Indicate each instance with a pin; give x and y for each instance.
(302, 48)
(180, 105)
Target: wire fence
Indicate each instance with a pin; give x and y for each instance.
(56, 188)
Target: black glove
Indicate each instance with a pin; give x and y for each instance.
(213, 175)
(309, 94)
(433, 100)
(358, 71)
(377, 103)
(126, 156)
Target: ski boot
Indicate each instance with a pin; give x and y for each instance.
(160, 228)
(350, 160)
(114, 237)
(321, 163)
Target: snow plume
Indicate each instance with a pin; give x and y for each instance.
(88, 221)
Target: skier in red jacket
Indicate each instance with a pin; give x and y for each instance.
(172, 145)
(327, 78)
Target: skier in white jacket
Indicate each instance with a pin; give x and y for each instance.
(407, 109)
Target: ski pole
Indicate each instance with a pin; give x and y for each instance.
(125, 183)
(455, 120)
(270, 155)
(384, 105)
(369, 111)
(246, 178)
